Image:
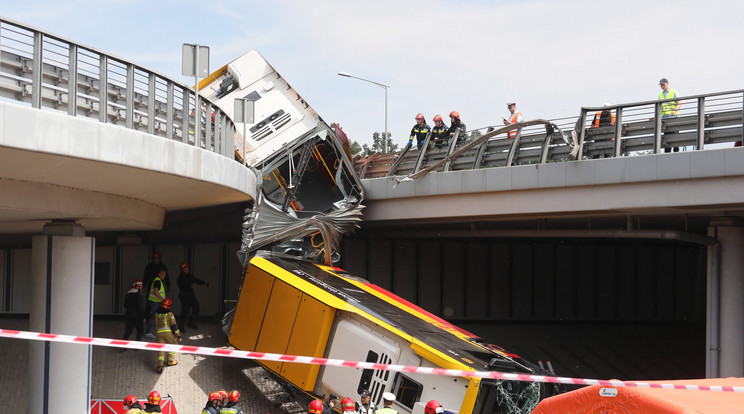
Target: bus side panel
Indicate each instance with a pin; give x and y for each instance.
(252, 303)
(279, 319)
(309, 338)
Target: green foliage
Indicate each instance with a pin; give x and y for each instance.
(378, 145)
(355, 147)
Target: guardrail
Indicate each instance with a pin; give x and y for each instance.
(638, 129)
(47, 71)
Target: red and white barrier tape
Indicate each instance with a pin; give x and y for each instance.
(200, 350)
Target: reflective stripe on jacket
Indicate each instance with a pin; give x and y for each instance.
(164, 321)
(513, 120)
(599, 116)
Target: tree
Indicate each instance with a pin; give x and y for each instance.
(378, 144)
(355, 147)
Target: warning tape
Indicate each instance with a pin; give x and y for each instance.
(264, 356)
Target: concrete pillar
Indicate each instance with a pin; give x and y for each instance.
(61, 302)
(730, 300)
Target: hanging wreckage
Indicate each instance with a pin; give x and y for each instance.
(308, 194)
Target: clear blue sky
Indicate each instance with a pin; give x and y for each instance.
(551, 57)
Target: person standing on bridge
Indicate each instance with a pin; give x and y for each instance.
(456, 125)
(669, 109)
(420, 130)
(189, 304)
(514, 117)
(439, 133)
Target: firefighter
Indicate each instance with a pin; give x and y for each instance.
(213, 404)
(167, 333)
(189, 304)
(433, 407)
(132, 406)
(134, 305)
(388, 398)
(154, 299)
(348, 406)
(223, 397)
(419, 131)
(365, 406)
(153, 403)
(232, 404)
(439, 133)
(329, 404)
(456, 125)
(315, 407)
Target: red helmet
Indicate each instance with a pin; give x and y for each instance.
(419, 116)
(157, 254)
(433, 407)
(234, 396)
(154, 397)
(166, 303)
(129, 400)
(215, 396)
(455, 114)
(347, 404)
(222, 394)
(185, 265)
(437, 118)
(316, 406)
(137, 284)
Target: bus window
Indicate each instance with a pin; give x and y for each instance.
(407, 391)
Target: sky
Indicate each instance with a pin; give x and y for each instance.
(551, 57)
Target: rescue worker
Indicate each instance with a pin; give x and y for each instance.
(669, 109)
(213, 404)
(603, 118)
(189, 304)
(348, 406)
(153, 403)
(330, 403)
(156, 294)
(439, 133)
(388, 398)
(223, 398)
(167, 333)
(419, 131)
(315, 407)
(134, 311)
(153, 268)
(132, 406)
(433, 407)
(365, 404)
(232, 404)
(514, 117)
(456, 125)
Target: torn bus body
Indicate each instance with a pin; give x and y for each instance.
(308, 193)
(291, 306)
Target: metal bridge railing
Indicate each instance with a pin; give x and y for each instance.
(703, 120)
(49, 72)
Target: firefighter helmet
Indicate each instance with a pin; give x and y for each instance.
(167, 303)
(154, 398)
(215, 396)
(316, 406)
(137, 284)
(347, 404)
(157, 254)
(420, 116)
(129, 400)
(185, 265)
(222, 394)
(234, 396)
(455, 114)
(433, 407)
(437, 118)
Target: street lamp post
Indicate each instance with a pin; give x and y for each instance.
(385, 137)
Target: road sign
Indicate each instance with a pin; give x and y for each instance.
(193, 63)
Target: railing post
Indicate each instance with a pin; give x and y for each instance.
(581, 123)
(169, 112)
(129, 108)
(657, 127)
(103, 89)
(151, 103)
(186, 116)
(37, 67)
(208, 135)
(72, 84)
(618, 130)
(422, 151)
(513, 148)
(451, 149)
(546, 144)
(701, 123)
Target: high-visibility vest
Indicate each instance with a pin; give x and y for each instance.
(152, 297)
(668, 108)
(386, 410)
(513, 120)
(134, 411)
(230, 410)
(599, 115)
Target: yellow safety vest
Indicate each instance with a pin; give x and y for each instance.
(668, 108)
(152, 297)
(385, 410)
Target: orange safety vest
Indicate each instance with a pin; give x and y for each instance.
(599, 115)
(513, 120)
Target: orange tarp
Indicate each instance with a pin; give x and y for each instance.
(626, 400)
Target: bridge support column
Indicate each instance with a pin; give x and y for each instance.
(61, 302)
(726, 357)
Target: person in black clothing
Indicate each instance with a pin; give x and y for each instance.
(153, 268)
(134, 311)
(419, 131)
(189, 304)
(330, 403)
(440, 133)
(456, 125)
